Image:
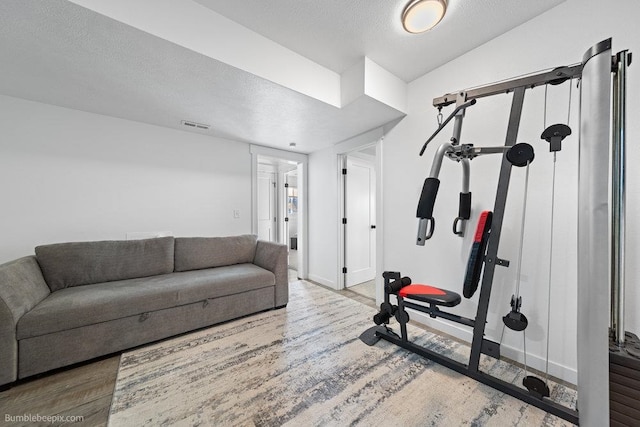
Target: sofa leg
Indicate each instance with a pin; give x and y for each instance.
(281, 306)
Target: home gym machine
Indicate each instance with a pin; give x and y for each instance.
(594, 75)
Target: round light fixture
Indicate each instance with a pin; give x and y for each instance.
(422, 15)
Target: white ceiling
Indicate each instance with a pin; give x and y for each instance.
(60, 53)
(336, 33)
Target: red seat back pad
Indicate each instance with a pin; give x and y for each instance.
(480, 228)
(416, 289)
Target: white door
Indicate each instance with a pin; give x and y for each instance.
(360, 233)
(266, 206)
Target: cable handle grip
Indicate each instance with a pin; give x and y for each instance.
(425, 224)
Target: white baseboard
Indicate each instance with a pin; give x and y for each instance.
(565, 373)
(325, 282)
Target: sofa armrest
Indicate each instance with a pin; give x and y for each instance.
(273, 257)
(21, 288)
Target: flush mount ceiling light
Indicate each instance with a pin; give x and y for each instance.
(422, 15)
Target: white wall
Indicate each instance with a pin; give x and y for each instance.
(558, 37)
(325, 251)
(67, 175)
(323, 217)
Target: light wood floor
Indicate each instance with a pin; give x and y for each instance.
(84, 391)
(367, 289)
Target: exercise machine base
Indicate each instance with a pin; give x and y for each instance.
(503, 386)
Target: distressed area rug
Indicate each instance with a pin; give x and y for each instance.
(305, 366)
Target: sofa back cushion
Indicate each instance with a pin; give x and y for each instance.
(83, 263)
(196, 253)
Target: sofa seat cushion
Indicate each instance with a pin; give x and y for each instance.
(86, 305)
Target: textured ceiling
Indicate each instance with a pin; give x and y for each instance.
(63, 54)
(66, 55)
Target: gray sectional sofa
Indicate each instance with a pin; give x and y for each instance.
(72, 302)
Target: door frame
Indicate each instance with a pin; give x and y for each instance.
(273, 201)
(286, 224)
(358, 159)
(301, 160)
(368, 140)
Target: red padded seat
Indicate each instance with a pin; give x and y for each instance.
(430, 295)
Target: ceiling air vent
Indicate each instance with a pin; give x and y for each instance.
(195, 125)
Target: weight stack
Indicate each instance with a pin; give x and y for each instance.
(624, 382)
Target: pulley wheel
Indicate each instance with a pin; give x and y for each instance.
(515, 321)
(520, 154)
(536, 386)
(559, 130)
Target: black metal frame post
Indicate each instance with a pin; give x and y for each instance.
(496, 229)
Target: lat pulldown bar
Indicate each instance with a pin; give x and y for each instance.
(555, 76)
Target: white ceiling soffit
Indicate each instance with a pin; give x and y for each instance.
(337, 33)
(267, 78)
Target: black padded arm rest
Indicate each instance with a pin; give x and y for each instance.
(428, 198)
(464, 209)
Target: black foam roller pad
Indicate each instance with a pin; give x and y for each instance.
(464, 210)
(391, 275)
(396, 285)
(428, 198)
(381, 317)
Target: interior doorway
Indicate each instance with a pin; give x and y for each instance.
(291, 216)
(279, 214)
(267, 202)
(359, 220)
